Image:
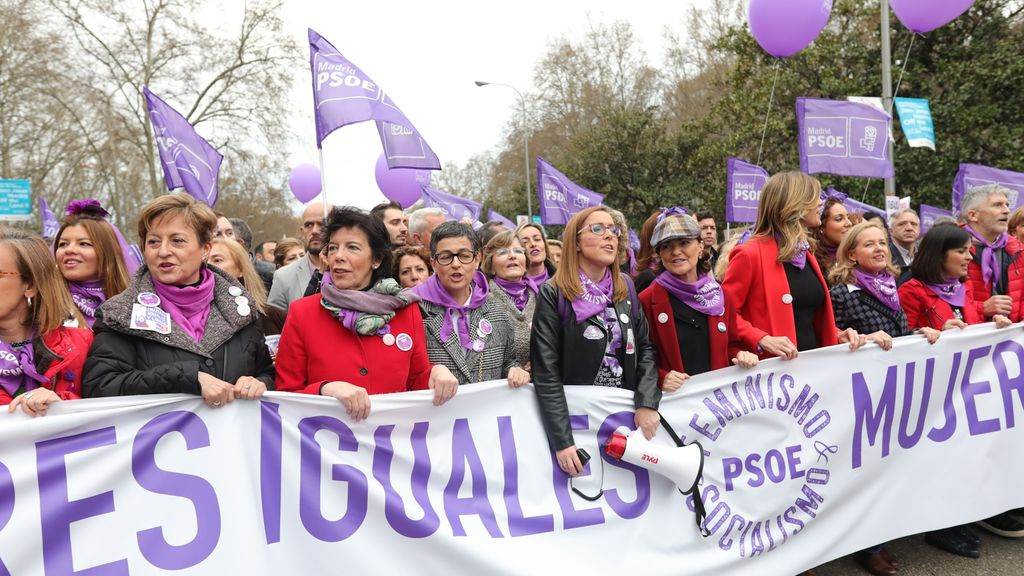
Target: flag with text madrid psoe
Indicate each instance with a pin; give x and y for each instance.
(561, 198)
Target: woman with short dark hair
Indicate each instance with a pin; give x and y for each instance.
(362, 334)
(467, 330)
(411, 265)
(181, 325)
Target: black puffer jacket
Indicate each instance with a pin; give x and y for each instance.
(562, 356)
(125, 361)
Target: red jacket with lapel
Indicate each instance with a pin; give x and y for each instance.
(924, 307)
(756, 285)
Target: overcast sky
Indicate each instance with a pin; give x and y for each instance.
(426, 56)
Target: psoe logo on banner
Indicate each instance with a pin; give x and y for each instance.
(553, 195)
(760, 495)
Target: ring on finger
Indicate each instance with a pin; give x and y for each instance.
(216, 403)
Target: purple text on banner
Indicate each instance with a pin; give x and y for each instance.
(454, 207)
(495, 216)
(561, 198)
(744, 182)
(974, 175)
(929, 214)
(189, 161)
(843, 138)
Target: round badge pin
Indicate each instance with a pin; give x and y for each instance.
(241, 300)
(662, 318)
(148, 299)
(478, 346)
(485, 327)
(389, 339)
(721, 326)
(787, 298)
(244, 310)
(624, 318)
(404, 342)
(235, 291)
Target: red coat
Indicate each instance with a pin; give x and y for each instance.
(756, 285)
(315, 348)
(982, 291)
(656, 301)
(64, 351)
(925, 308)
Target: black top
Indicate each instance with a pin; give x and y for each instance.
(644, 279)
(694, 340)
(808, 295)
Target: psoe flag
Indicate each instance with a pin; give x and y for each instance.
(916, 121)
(50, 223)
(189, 161)
(929, 214)
(843, 138)
(496, 216)
(744, 182)
(974, 175)
(454, 207)
(343, 95)
(561, 198)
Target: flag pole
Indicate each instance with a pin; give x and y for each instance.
(323, 182)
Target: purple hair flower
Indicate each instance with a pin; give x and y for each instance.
(672, 211)
(90, 207)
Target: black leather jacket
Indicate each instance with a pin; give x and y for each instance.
(561, 356)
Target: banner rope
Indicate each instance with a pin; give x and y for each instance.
(768, 112)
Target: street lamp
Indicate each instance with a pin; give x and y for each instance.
(526, 146)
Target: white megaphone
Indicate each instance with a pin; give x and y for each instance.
(683, 465)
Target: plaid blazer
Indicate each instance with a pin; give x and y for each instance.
(469, 366)
(858, 309)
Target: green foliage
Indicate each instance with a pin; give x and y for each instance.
(615, 124)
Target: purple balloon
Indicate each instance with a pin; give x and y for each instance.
(305, 182)
(785, 27)
(400, 184)
(922, 16)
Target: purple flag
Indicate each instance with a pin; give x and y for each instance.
(50, 223)
(405, 148)
(974, 175)
(343, 94)
(929, 214)
(634, 241)
(843, 138)
(454, 207)
(492, 215)
(853, 205)
(560, 197)
(743, 183)
(188, 160)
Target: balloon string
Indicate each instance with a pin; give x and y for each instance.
(771, 99)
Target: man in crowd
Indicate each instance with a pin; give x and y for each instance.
(904, 230)
(242, 234)
(290, 281)
(709, 234)
(394, 220)
(489, 230)
(224, 227)
(264, 251)
(422, 223)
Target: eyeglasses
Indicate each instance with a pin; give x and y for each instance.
(600, 229)
(464, 256)
(10, 273)
(506, 251)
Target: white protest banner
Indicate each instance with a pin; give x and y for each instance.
(807, 460)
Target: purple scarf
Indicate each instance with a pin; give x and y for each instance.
(189, 306)
(431, 290)
(18, 367)
(364, 312)
(991, 269)
(540, 278)
(882, 286)
(953, 292)
(87, 297)
(705, 295)
(595, 297)
(799, 259)
(518, 292)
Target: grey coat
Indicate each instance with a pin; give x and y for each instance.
(125, 361)
(290, 283)
(522, 322)
(469, 366)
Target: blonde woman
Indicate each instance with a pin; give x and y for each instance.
(781, 297)
(230, 257)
